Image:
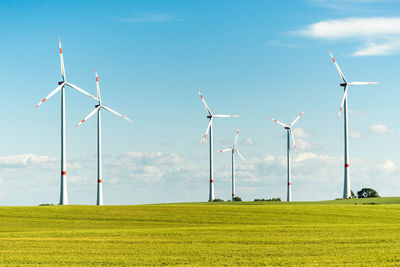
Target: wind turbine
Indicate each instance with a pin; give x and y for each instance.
(61, 86)
(234, 149)
(288, 129)
(345, 85)
(97, 109)
(211, 117)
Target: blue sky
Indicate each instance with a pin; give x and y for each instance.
(258, 59)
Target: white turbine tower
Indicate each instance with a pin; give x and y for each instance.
(61, 86)
(234, 149)
(345, 85)
(97, 109)
(211, 117)
(288, 129)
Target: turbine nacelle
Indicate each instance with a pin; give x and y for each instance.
(346, 84)
(99, 106)
(210, 116)
(289, 128)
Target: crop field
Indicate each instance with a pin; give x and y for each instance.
(344, 232)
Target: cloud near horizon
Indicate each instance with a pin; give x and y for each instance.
(378, 35)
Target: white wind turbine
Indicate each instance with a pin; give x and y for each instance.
(288, 129)
(345, 85)
(97, 109)
(211, 117)
(61, 86)
(234, 149)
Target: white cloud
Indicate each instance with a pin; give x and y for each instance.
(358, 112)
(248, 141)
(300, 133)
(303, 145)
(379, 35)
(148, 167)
(355, 134)
(380, 128)
(388, 166)
(27, 161)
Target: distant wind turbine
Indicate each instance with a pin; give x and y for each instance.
(211, 117)
(345, 85)
(61, 86)
(97, 109)
(288, 129)
(234, 149)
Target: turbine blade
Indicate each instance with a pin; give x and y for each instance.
(204, 102)
(344, 97)
(236, 138)
(226, 116)
(80, 90)
(224, 150)
(337, 67)
(298, 117)
(362, 83)
(51, 94)
(88, 116)
(97, 86)
(240, 155)
(208, 129)
(294, 143)
(61, 61)
(116, 113)
(280, 123)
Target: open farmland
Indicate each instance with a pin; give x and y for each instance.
(204, 234)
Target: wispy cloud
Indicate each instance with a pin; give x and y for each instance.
(143, 18)
(300, 133)
(348, 4)
(355, 134)
(280, 44)
(380, 128)
(378, 36)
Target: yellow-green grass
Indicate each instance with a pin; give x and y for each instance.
(198, 234)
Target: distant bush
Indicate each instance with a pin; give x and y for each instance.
(367, 193)
(46, 204)
(269, 199)
(237, 198)
(218, 200)
(352, 194)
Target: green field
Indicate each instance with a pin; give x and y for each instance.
(343, 232)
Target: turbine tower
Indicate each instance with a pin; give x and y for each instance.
(61, 86)
(345, 85)
(290, 135)
(97, 109)
(234, 149)
(211, 117)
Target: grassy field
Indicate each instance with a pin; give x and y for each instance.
(204, 234)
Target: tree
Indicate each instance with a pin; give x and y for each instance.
(237, 198)
(367, 193)
(353, 195)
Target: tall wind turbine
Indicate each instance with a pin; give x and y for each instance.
(97, 109)
(234, 149)
(61, 86)
(288, 129)
(211, 117)
(345, 85)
